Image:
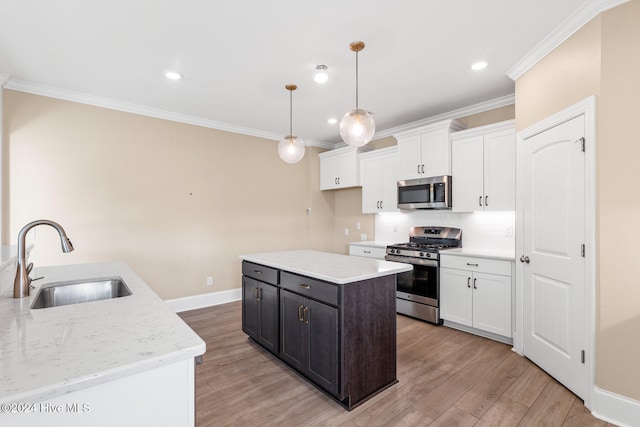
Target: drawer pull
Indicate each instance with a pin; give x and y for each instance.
(303, 286)
(472, 265)
(367, 252)
(257, 271)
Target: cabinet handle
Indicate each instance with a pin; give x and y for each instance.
(300, 315)
(472, 265)
(480, 201)
(380, 204)
(257, 271)
(474, 283)
(423, 169)
(468, 282)
(367, 252)
(486, 200)
(306, 315)
(418, 169)
(338, 180)
(259, 294)
(303, 286)
(255, 294)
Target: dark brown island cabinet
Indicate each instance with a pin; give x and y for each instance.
(340, 337)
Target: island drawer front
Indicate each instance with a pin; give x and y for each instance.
(315, 289)
(482, 265)
(260, 272)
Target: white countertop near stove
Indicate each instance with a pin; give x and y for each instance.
(335, 268)
(373, 243)
(48, 352)
(480, 253)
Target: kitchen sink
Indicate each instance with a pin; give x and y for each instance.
(79, 291)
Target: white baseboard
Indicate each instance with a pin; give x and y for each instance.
(205, 300)
(614, 408)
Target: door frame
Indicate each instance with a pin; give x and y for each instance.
(586, 107)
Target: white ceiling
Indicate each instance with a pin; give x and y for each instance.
(237, 56)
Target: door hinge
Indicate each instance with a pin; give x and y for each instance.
(582, 356)
(581, 141)
(582, 250)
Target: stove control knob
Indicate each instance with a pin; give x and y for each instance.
(421, 254)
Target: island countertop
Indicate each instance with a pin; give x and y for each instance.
(335, 268)
(48, 352)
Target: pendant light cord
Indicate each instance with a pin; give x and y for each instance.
(290, 112)
(356, 80)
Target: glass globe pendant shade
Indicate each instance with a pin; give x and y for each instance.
(357, 127)
(291, 149)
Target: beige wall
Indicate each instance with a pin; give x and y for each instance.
(601, 59)
(176, 202)
(508, 112)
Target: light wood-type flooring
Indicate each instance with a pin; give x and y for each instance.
(446, 378)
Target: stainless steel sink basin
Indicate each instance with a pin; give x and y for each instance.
(79, 291)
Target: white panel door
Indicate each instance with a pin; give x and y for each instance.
(390, 184)
(554, 270)
(436, 153)
(371, 185)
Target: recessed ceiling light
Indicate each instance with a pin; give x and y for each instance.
(481, 65)
(320, 75)
(332, 121)
(172, 75)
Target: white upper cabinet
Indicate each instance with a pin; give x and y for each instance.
(379, 172)
(426, 151)
(340, 168)
(483, 168)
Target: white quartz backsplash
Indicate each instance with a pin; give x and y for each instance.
(480, 230)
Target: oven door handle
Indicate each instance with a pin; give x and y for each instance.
(412, 260)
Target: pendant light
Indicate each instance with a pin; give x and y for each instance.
(357, 126)
(291, 148)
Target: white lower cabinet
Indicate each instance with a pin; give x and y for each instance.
(476, 293)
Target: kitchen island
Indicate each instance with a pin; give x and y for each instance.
(330, 317)
(120, 361)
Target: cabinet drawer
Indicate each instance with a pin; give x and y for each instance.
(367, 251)
(311, 288)
(482, 265)
(260, 272)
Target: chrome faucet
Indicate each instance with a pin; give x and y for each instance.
(22, 281)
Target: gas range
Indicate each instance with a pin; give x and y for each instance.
(418, 291)
(425, 244)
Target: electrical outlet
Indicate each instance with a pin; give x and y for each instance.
(357, 226)
(346, 231)
(363, 237)
(210, 281)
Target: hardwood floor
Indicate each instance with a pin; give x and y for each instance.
(446, 378)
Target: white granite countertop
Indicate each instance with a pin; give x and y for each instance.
(48, 352)
(373, 243)
(481, 253)
(335, 268)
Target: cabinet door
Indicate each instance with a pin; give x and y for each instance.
(410, 157)
(268, 312)
(456, 298)
(328, 173)
(348, 170)
(389, 184)
(467, 178)
(250, 307)
(322, 323)
(371, 181)
(499, 171)
(492, 303)
(292, 345)
(436, 153)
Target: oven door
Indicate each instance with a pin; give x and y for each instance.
(420, 285)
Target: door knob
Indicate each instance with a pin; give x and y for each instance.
(524, 259)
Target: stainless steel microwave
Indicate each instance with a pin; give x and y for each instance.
(425, 193)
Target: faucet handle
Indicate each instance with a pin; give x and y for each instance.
(29, 268)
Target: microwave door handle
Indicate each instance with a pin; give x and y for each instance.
(431, 193)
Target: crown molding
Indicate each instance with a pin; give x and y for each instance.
(566, 29)
(81, 98)
(455, 114)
